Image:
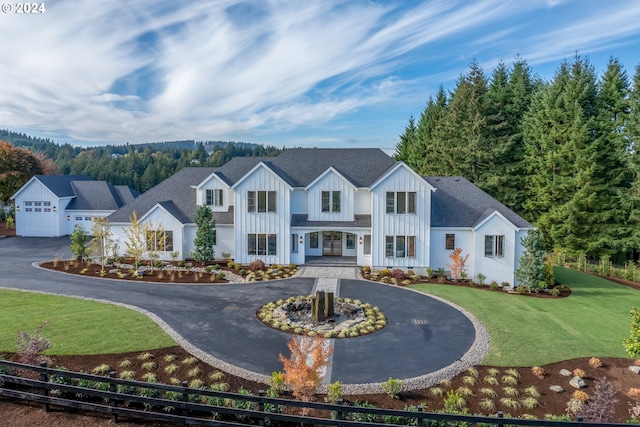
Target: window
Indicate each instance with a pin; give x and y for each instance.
(28, 209)
(78, 218)
(401, 202)
(351, 241)
(367, 244)
(261, 244)
(155, 241)
(47, 209)
(87, 218)
(450, 242)
(214, 197)
(37, 209)
(47, 204)
(331, 201)
(313, 240)
(28, 203)
(494, 246)
(400, 246)
(261, 201)
(294, 243)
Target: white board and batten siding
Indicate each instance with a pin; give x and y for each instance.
(362, 202)
(40, 220)
(418, 224)
(213, 182)
(224, 239)
(331, 182)
(277, 223)
(500, 269)
(464, 239)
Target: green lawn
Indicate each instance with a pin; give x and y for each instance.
(77, 326)
(525, 331)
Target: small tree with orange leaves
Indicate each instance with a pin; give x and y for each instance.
(458, 263)
(303, 371)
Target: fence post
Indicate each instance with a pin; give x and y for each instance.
(500, 417)
(185, 398)
(44, 377)
(340, 412)
(113, 388)
(261, 408)
(420, 419)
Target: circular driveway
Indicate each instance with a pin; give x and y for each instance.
(424, 340)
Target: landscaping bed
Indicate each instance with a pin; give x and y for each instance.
(220, 271)
(614, 369)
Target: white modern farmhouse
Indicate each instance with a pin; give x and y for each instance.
(51, 205)
(358, 204)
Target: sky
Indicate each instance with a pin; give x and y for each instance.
(283, 73)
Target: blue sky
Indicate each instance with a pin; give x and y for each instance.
(286, 73)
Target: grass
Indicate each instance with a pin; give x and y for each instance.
(592, 322)
(106, 328)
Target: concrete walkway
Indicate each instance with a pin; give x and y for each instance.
(424, 341)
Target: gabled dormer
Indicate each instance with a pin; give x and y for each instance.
(215, 193)
(330, 197)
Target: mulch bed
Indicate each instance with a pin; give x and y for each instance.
(614, 369)
(8, 232)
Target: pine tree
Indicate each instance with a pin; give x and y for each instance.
(205, 235)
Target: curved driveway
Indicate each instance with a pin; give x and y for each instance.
(423, 335)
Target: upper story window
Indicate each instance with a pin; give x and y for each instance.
(450, 242)
(261, 201)
(214, 197)
(401, 202)
(493, 246)
(331, 201)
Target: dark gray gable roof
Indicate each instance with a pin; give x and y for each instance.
(175, 189)
(459, 203)
(126, 193)
(237, 167)
(361, 166)
(95, 195)
(60, 185)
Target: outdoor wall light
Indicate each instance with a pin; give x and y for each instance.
(360, 240)
(55, 209)
(18, 208)
(68, 217)
(300, 240)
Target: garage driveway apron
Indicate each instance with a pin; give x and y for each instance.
(423, 334)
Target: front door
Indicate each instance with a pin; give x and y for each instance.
(331, 243)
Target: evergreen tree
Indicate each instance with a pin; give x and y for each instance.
(205, 235)
(530, 273)
(78, 244)
(17, 166)
(407, 140)
(463, 131)
(426, 153)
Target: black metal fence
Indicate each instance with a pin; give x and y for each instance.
(191, 406)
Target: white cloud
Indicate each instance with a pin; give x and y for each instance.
(157, 70)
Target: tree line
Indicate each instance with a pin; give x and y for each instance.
(561, 153)
(141, 166)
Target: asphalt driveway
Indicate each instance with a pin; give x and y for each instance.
(423, 335)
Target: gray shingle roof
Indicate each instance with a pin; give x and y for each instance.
(459, 203)
(126, 193)
(95, 195)
(60, 185)
(175, 195)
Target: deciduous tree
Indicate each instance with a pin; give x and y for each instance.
(78, 244)
(304, 369)
(458, 263)
(135, 245)
(17, 166)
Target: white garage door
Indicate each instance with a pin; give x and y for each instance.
(39, 218)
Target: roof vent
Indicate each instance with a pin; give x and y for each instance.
(457, 179)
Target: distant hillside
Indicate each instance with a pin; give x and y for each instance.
(140, 166)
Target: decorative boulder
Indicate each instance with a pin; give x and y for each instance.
(114, 271)
(139, 273)
(635, 369)
(577, 382)
(556, 388)
(565, 372)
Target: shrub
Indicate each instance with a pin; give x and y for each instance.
(127, 375)
(493, 285)
(31, 346)
(634, 393)
(530, 402)
(150, 377)
(216, 376)
(385, 272)
(554, 292)
(513, 372)
(487, 391)
(473, 372)
(145, 356)
(190, 361)
(510, 403)
(334, 392)
(9, 223)
(480, 279)
(509, 380)
(126, 363)
(469, 380)
(493, 372)
(532, 391)
(436, 391)
(574, 407)
(601, 406)
(632, 344)
(511, 391)
(258, 265)
(103, 369)
(392, 387)
(454, 403)
(276, 381)
(579, 373)
(580, 395)
(366, 269)
(362, 417)
(398, 274)
(464, 391)
(149, 366)
(487, 404)
(194, 372)
(430, 272)
(491, 380)
(594, 362)
(538, 372)
(171, 368)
